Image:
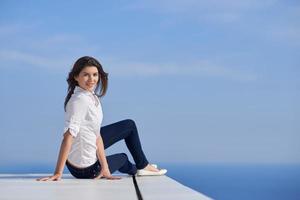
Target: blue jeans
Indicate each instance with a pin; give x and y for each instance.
(111, 134)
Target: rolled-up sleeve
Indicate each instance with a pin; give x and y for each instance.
(76, 111)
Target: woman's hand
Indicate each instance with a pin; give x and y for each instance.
(62, 157)
(55, 177)
(105, 173)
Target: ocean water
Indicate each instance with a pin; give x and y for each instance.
(241, 182)
(224, 182)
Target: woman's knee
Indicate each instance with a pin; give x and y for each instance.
(130, 123)
(123, 157)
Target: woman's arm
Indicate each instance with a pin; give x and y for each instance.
(102, 158)
(101, 152)
(62, 158)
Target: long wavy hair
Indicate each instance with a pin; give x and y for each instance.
(81, 63)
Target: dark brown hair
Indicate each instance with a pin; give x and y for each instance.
(81, 63)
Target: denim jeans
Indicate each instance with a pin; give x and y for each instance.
(111, 134)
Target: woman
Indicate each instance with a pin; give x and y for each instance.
(82, 148)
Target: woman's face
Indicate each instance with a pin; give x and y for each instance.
(88, 78)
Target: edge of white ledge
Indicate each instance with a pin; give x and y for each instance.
(25, 186)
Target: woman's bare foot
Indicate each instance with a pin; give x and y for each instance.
(151, 168)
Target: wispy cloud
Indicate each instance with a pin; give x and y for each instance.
(59, 51)
(14, 28)
(55, 51)
(290, 35)
(21, 59)
(225, 11)
(245, 16)
(132, 69)
(287, 27)
(179, 6)
(198, 68)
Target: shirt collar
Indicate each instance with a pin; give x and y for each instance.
(81, 90)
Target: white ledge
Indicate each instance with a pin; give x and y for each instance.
(25, 186)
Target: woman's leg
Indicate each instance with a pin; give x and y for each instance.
(127, 130)
(115, 162)
(120, 162)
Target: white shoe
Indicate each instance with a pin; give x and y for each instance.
(144, 172)
(154, 165)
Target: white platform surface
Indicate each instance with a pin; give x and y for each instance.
(166, 188)
(25, 187)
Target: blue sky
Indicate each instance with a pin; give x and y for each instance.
(205, 81)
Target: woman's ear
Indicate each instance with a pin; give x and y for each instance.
(76, 78)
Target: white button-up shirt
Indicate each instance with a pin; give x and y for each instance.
(83, 118)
